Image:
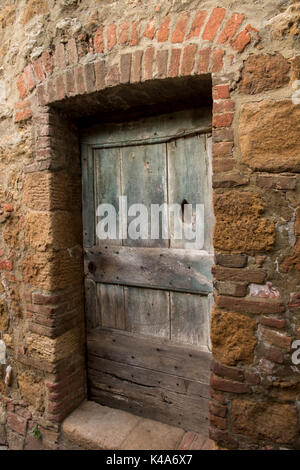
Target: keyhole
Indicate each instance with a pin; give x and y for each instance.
(91, 267)
(184, 202)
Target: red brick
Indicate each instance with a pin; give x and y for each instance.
(72, 52)
(79, 80)
(273, 322)
(281, 182)
(219, 397)
(148, 63)
(256, 307)
(221, 92)
(113, 75)
(276, 339)
(241, 41)
(89, 77)
(24, 412)
(222, 148)
(125, 68)
(136, 68)
(218, 422)
(223, 438)
(223, 106)
(197, 24)
(47, 62)
(217, 60)
(17, 423)
(100, 72)
(162, 63)
(180, 28)
(217, 409)
(274, 355)
(164, 30)
(203, 60)
(187, 440)
(38, 70)
(256, 276)
(23, 115)
(59, 56)
(60, 88)
(231, 28)
(223, 135)
(223, 164)
(213, 24)
(252, 378)
(174, 62)
(111, 36)
(29, 77)
(223, 120)
(229, 180)
(135, 34)
(227, 385)
(41, 95)
(124, 33)
(228, 372)
(199, 441)
(99, 41)
(188, 59)
(294, 300)
(21, 86)
(70, 82)
(150, 29)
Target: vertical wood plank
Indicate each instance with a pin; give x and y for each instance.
(147, 312)
(88, 206)
(188, 175)
(111, 299)
(144, 176)
(108, 184)
(189, 318)
(91, 305)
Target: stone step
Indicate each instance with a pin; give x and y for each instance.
(97, 427)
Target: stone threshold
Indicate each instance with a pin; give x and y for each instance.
(95, 427)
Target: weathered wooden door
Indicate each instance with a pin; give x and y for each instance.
(148, 295)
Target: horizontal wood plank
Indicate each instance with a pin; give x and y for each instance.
(164, 405)
(147, 377)
(171, 269)
(150, 129)
(150, 353)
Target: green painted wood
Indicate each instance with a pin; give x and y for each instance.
(108, 184)
(88, 204)
(189, 183)
(144, 177)
(147, 312)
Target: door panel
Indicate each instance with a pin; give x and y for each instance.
(148, 300)
(144, 180)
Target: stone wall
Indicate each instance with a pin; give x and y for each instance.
(58, 59)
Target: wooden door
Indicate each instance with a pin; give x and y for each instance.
(148, 299)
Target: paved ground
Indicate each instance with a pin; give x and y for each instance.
(92, 426)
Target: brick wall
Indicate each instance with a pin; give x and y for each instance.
(59, 59)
